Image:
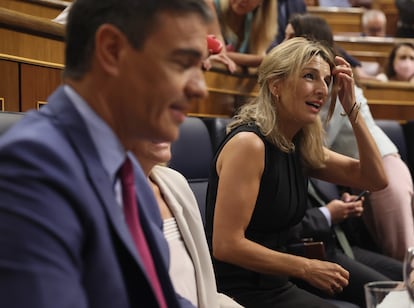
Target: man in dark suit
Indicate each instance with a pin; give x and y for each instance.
(131, 69)
(322, 222)
(286, 9)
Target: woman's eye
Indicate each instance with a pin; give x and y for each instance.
(309, 76)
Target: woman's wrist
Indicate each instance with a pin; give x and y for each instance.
(354, 112)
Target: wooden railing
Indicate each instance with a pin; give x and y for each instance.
(349, 19)
(369, 48)
(31, 37)
(48, 9)
(340, 19)
(390, 100)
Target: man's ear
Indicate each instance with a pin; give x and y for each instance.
(109, 43)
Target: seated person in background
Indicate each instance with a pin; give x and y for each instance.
(400, 64)
(286, 9)
(390, 218)
(257, 187)
(190, 269)
(214, 29)
(248, 28)
(308, 25)
(389, 214)
(322, 222)
(374, 23)
(346, 3)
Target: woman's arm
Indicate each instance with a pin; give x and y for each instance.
(214, 28)
(245, 59)
(367, 172)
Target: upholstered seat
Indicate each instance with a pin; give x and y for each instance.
(217, 129)
(192, 154)
(395, 132)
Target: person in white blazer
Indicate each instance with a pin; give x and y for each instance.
(191, 269)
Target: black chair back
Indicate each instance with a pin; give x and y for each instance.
(192, 155)
(7, 119)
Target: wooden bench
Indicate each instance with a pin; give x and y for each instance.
(48, 9)
(390, 100)
(226, 92)
(349, 19)
(339, 18)
(369, 48)
(31, 37)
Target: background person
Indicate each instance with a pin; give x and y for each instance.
(191, 269)
(248, 28)
(286, 9)
(390, 216)
(131, 70)
(323, 222)
(374, 23)
(310, 25)
(258, 183)
(400, 64)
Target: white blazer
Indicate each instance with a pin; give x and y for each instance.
(182, 203)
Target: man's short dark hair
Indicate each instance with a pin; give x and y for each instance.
(135, 18)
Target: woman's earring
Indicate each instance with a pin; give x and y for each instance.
(277, 98)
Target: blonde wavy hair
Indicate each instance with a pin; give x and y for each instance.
(264, 25)
(285, 62)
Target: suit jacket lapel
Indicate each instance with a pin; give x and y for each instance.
(72, 125)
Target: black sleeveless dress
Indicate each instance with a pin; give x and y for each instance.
(281, 204)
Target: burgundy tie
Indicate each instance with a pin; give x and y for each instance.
(132, 219)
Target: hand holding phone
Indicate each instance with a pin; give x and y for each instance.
(362, 194)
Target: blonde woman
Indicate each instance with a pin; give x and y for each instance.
(258, 183)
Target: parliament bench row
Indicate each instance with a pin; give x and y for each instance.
(199, 138)
(192, 152)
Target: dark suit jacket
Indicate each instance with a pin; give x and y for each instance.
(286, 8)
(314, 224)
(63, 239)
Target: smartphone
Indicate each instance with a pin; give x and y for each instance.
(362, 194)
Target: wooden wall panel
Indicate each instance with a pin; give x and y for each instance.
(31, 46)
(390, 100)
(37, 83)
(9, 86)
